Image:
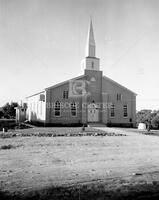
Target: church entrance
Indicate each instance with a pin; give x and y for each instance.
(93, 113)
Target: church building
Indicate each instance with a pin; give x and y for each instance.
(90, 98)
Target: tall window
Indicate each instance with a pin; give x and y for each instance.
(65, 94)
(57, 109)
(119, 97)
(125, 110)
(112, 110)
(73, 109)
(92, 65)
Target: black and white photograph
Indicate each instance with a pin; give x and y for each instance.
(79, 100)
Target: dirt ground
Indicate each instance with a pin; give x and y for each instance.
(87, 167)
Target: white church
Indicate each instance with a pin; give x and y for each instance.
(90, 98)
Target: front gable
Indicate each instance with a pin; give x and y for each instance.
(111, 87)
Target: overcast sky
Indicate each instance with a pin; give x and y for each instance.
(42, 42)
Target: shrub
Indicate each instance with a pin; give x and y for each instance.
(155, 122)
(9, 146)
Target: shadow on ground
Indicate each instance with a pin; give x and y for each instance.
(85, 192)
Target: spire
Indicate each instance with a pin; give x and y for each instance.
(91, 62)
(90, 46)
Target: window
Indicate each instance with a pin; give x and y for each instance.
(92, 65)
(112, 110)
(125, 109)
(73, 109)
(65, 94)
(119, 97)
(42, 97)
(57, 109)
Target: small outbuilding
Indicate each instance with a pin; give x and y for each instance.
(142, 126)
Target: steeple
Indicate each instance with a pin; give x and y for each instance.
(91, 62)
(90, 46)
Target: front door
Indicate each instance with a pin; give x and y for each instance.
(93, 113)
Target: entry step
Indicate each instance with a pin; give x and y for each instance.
(96, 125)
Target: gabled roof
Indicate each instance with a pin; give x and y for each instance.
(57, 85)
(80, 77)
(36, 94)
(119, 85)
(64, 82)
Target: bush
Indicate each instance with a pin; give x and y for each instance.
(9, 146)
(155, 122)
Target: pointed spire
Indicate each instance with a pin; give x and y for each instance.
(90, 46)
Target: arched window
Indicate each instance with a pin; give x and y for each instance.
(73, 109)
(57, 109)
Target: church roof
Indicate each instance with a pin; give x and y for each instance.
(57, 85)
(64, 82)
(36, 94)
(77, 78)
(119, 85)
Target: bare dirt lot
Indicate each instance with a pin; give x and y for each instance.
(125, 166)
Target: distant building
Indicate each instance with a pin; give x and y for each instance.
(90, 98)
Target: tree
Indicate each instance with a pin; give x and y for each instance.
(155, 121)
(9, 110)
(143, 116)
(149, 117)
(1, 114)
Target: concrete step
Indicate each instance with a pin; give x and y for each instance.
(96, 125)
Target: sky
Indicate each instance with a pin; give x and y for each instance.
(42, 43)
